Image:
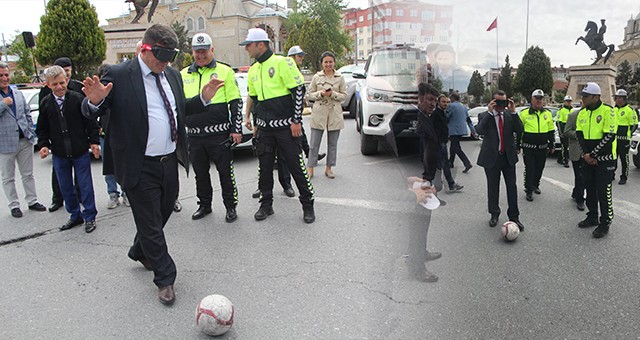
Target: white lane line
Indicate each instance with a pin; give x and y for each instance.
(368, 204)
(622, 208)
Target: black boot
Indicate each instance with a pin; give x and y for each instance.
(201, 212)
(263, 212)
(309, 215)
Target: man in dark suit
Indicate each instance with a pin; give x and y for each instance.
(72, 85)
(147, 137)
(502, 130)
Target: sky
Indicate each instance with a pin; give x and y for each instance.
(553, 25)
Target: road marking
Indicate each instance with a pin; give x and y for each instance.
(622, 208)
(392, 159)
(368, 204)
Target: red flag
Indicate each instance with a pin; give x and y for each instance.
(493, 25)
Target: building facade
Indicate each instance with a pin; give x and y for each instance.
(226, 21)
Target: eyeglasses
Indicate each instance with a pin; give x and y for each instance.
(163, 54)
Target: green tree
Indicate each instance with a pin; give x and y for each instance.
(329, 14)
(25, 61)
(184, 45)
(476, 86)
(505, 79)
(625, 74)
(70, 28)
(534, 72)
(437, 83)
(558, 96)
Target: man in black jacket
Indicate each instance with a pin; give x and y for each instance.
(502, 130)
(75, 86)
(63, 129)
(441, 127)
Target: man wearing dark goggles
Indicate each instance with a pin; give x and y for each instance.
(163, 54)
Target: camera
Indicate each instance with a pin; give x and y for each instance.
(502, 102)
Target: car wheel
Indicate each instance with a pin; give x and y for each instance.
(353, 107)
(636, 160)
(359, 119)
(368, 145)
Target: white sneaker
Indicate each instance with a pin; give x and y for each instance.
(125, 200)
(114, 201)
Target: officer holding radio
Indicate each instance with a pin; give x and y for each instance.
(212, 131)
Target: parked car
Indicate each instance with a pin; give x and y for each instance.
(387, 95)
(247, 135)
(474, 115)
(349, 103)
(31, 96)
(635, 141)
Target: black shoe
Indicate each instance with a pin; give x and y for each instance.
(16, 212)
(566, 165)
(467, 168)
(37, 207)
(623, 180)
(601, 231)
(71, 223)
(493, 221)
(455, 187)
(55, 206)
(256, 194)
(309, 215)
(177, 206)
(530, 196)
(537, 191)
(289, 192)
(520, 225)
(89, 226)
(263, 212)
(231, 215)
(201, 212)
(587, 223)
(321, 156)
(580, 206)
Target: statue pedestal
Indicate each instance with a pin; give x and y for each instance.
(603, 75)
(122, 39)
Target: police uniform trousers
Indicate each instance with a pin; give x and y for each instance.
(597, 180)
(271, 141)
(622, 149)
(563, 154)
(152, 200)
(534, 161)
(203, 150)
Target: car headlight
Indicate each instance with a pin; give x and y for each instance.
(378, 96)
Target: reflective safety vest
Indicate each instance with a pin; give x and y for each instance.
(271, 82)
(538, 127)
(215, 119)
(627, 121)
(594, 125)
(562, 114)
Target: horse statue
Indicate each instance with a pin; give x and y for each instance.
(140, 6)
(595, 40)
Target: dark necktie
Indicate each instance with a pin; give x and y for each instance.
(167, 106)
(60, 101)
(501, 132)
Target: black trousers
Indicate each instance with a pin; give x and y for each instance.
(430, 160)
(203, 150)
(445, 166)
(456, 149)
(597, 180)
(578, 182)
(508, 171)
(622, 149)
(534, 161)
(55, 188)
(271, 141)
(152, 201)
(563, 155)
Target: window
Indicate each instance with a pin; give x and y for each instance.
(399, 12)
(360, 41)
(360, 54)
(412, 38)
(397, 66)
(369, 40)
(360, 30)
(413, 26)
(190, 24)
(428, 15)
(369, 16)
(413, 13)
(398, 39)
(200, 24)
(387, 11)
(361, 18)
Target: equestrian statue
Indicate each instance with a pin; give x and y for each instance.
(140, 6)
(595, 40)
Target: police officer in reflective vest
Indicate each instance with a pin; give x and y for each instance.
(596, 131)
(277, 88)
(627, 123)
(212, 131)
(538, 139)
(561, 122)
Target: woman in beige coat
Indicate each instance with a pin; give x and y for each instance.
(327, 91)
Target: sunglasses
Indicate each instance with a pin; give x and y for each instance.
(163, 54)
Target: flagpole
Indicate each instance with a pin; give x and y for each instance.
(497, 57)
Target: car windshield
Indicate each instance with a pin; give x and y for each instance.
(241, 78)
(405, 67)
(349, 69)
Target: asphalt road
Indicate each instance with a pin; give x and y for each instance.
(342, 277)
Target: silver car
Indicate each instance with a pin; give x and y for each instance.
(350, 102)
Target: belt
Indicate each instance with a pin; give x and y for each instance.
(161, 159)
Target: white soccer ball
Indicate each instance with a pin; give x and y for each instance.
(214, 315)
(510, 231)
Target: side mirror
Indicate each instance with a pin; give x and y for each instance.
(358, 76)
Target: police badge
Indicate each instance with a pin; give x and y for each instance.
(598, 119)
(214, 75)
(545, 117)
(272, 71)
